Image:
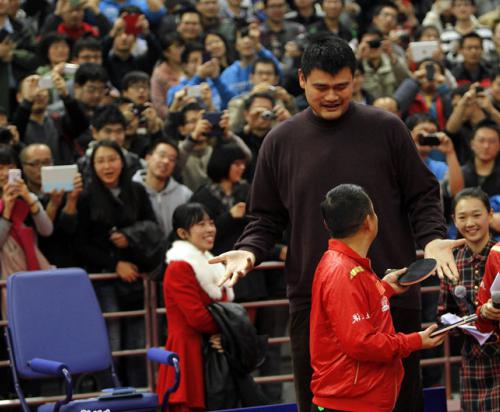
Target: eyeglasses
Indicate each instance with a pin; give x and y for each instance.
(165, 156)
(39, 163)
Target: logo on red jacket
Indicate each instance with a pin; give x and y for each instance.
(384, 302)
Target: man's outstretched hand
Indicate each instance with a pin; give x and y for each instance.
(238, 263)
(442, 251)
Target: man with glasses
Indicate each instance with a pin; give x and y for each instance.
(163, 190)
(33, 157)
(331, 20)
(472, 69)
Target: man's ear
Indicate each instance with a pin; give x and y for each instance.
(302, 79)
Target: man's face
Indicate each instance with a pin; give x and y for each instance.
(424, 128)
(259, 125)
(189, 27)
(485, 144)
(137, 92)
(123, 42)
(264, 73)
(194, 60)
(115, 132)
(472, 50)
(328, 94)
(275, 10)
(462, 9)
(495, 89)
(72, 16)
(161, 163)
(91, 93)
(373, 53)
(208, 8)
(191, 117)
(36, 157)
(41, 101)
(245, 46)
(332, 8)
(386, 20)
(58, 52)
(89, 56)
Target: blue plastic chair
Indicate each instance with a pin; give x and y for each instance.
(56, 329)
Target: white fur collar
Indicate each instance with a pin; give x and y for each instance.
(208, 275)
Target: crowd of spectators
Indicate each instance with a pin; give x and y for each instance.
(160, 103)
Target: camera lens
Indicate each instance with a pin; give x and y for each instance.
(268, 115)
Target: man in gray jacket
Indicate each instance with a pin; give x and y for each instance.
(164, 191)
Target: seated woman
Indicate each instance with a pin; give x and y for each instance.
(189, 285)
(116, 229)
(22, 216)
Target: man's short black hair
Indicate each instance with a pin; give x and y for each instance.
(86, 43)
(188, 108)
(488, 124)
(191, 47)
(163, 140)
(377, 10)
(264, 60)
(415, 119)
(471, 35)
(344, 210)
(189, 10)
(108, 114)
(327, 53)
(134, 77)
(90, 72)
(250, 99)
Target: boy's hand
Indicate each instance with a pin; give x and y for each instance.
(392, 279)
(427, 341)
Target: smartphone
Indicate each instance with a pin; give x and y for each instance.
(14, 175)
(45, 82)
(445, 328)
(58, 178)
(194, 91)
(375, 43)
(206, 57)
(479, 89)
(429, 140)
(70, 68)
(131, 24)
(429, 72)
(214, 119)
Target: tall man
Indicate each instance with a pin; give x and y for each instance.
(336, 141)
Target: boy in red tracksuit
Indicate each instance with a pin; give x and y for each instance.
(355, 352)
(488, 316)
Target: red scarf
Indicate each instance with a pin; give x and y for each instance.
(23, 234)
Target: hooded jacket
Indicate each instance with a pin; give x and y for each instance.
(166, 200)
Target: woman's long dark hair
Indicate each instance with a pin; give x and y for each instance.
(104, 204)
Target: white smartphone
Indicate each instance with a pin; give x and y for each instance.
(421, 50)
(58, 178)
(45, 82)
(14, 175)
(70, 68)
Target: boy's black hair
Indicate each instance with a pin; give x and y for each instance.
(221, 160)
(486, 123)
(344, 210)
(162, 140)
(191, 48)
(108, 114)
(471, 192)
(264, 60)
(250, 99)
(471, 35)
(327, 53)
(130, 10)
(90, 72)
(187, 215)
(86, 42)
(134, 77)
(415, 119)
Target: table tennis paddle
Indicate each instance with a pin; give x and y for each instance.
(417, 272)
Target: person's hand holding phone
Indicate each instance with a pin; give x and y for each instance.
(59, 82)
(9, 195)
(30, 87)
(427, 341)
(201, 130)
(238, 210)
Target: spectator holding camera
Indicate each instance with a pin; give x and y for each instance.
(195, 150)
(426, 92)
(118, 46)
(306, 12)
(199, 71)
(330, 22)
(264, 78)
(384, 71)
(425, 133)
(154, 10)
(36, 125)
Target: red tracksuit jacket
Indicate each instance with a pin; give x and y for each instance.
(355, 352)
(484, 294)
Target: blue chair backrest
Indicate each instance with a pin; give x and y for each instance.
(435, 399)
(54, 314)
